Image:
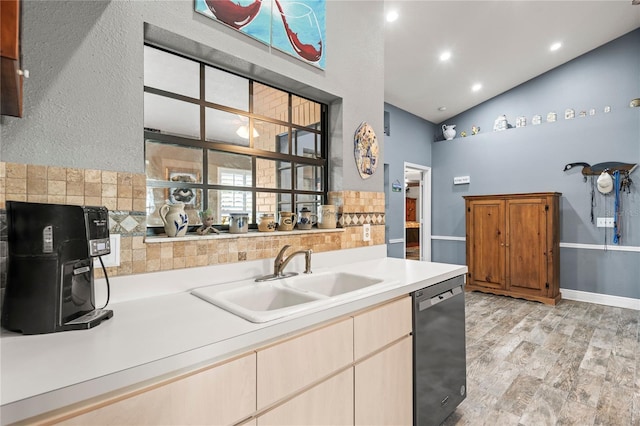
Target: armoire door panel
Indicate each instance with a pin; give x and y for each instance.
(488, 244)
(526, 245)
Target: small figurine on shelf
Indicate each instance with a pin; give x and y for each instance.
(475, 130)
(207, 223)
(463, 134)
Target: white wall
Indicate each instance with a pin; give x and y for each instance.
(83, 102)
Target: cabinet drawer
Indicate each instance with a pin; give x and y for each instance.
(379, 327)
(329, 403)
(384, 387)
(293, 364)
(221, 395)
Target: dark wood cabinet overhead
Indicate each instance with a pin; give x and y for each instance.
(11, 75)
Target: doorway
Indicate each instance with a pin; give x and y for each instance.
(417, 212)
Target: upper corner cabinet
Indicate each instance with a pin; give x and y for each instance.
(11, 75)
(513, 245)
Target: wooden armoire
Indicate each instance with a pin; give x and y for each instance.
(513, 245)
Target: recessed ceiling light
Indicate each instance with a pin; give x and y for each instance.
(392, 16)
(476, 87)
(445, 56)
(442, 108)
(555, 46)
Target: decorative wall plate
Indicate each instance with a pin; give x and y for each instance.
(366, 150)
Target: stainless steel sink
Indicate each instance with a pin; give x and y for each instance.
(331, 284)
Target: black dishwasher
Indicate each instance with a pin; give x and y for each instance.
(439, 357)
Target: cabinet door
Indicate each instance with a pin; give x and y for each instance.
(410, 209)
(486, 243)
(221, 395)
(10, 80)
(288, 367)
(378, 327)
(526, 246)
(384, 387)
(329, 403)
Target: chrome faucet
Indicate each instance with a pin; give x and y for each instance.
(281, 262)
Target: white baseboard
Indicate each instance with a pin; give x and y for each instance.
(601, 299)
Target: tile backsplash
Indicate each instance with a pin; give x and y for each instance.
(124, 194)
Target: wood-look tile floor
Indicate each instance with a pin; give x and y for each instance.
(532, 364)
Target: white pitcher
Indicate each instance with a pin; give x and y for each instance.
(449, 131)
(175, 219)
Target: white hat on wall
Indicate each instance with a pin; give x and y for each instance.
(605, 183)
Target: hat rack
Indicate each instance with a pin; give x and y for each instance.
(597, 169)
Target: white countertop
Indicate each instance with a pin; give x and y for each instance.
(169, 331)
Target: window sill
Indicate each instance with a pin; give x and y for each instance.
(226, 235)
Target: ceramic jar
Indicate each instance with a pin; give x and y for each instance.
(327, 216)
(175, 219)
(287, 221)
(449, 131)
(307, 219)
(238, 223)
(266, 223)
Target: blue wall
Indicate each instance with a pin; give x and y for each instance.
(531, 159)
(410, 140)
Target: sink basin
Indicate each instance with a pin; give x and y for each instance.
(266, 301)
(266, 298)
(331, 284)
(258, 302)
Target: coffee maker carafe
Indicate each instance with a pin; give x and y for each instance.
(50, 267)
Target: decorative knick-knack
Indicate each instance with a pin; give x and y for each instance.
(175, 219)
(500, 123)
(449, 131)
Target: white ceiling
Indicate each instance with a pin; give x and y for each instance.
(499, 44)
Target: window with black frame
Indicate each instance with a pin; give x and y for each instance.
(223, 143)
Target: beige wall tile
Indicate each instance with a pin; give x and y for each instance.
(139, 205)
(36, 186)
(56, 199)
(125, 204)
(17, 186)
(110, 177)
(36, 172)
(109, 190)
(93, 201)
(93, 176)
(56, 173)
(16, 171)
(75, 188)
(75, 175)
(56, 187)
(37, 198)
(3, 169)
(110, 203)
(75, 200)
(92, 189)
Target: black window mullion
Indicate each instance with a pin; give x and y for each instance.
(319, 161)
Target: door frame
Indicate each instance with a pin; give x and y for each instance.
(425, 209)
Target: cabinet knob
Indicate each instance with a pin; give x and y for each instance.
(24, 73)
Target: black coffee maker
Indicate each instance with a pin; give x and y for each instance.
(50, 267)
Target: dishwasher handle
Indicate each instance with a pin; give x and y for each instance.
(427, 303)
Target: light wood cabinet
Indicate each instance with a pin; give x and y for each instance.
(384, 387)
(381, 326)
(289, 366)
(329, 403)
(356, 367)
(513, 245)
(224, 394)
(10, 77)
(384, 365)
